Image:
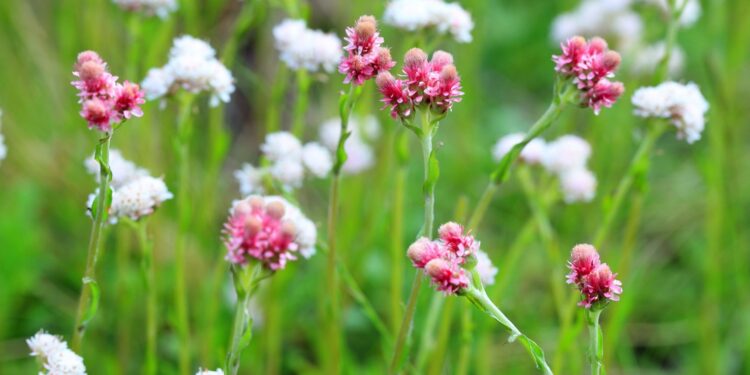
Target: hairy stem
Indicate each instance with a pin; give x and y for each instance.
(596, 344)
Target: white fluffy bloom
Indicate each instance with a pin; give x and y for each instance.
(648, 58)
(578, 185)
(160, 8)
(306, 232)
(360, 155)
(210, 372)
(303, 48)
(600, 18)
(683, 105)
(690, 13)
(288, 171)
(281, 145)
(193, 67)
(446, 18)
(486, 270)
(54, 353)
(566, 153)
(317, 159)
(250, 179)
(532, 153)
(123, 171)
(138, 198)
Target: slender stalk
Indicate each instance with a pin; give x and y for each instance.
(184, 133)
(397, 247)
(273, 116)
(427, 341)
(245, 284)
(149, 276)
(300, 105)
(596, 344)
(86, 304)
(464, 354)
(430, 175)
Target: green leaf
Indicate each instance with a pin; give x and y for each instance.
(535, 350)
(94, 305)
(433, 172)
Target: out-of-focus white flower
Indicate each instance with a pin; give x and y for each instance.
(578, 185)
(532, 153)
(193, 67)
(648, 58)
(160, 8)
(218, 371)
(566, 153)
(138, 198)
(446, 18)
(317, 159)
(250, 179)
(288, 171)
(600, 18)
(281, 145)
(486, 270)
(123, 171)
(360, 155)
(303, 48)
(683, 105)
(690, 13)
(55, 355)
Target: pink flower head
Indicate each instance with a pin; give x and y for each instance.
(600, 286)
(365, 57)
(98, 113)
(458, 244)
(583, 259)
(417, 72)
(445, 89)
(590, 64)
(422, 251)
(446, 276)
(395, 95)
(128, 97)
(256, 229)
(439, 60)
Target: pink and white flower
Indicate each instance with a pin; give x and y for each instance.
(364, 60)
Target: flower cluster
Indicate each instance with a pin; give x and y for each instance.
(433, 84)
(360, 155)
(565, 157)
(442, 260)
(365, 57)
(209, 372)
(647, 59)
(594, 279)
(610, 18)
(691, 9)
(268, 229)
(590, 65)
(193, 67)
(444, 18)
(135, 193)
(53, 352)
(104, 101)
(683, 105)
(289, 160)
(303, 48)
(160, 8)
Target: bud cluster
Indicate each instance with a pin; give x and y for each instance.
(103, 100)
(365, 57)
(594, 279)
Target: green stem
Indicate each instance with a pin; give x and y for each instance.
(300, 105)
(184, 133)
(430, 175)
(595, 341)
(427, 341)
(397, 248)
(245, 283)
(86, 304)
(466, 339)
(149, 276)
(273, 117)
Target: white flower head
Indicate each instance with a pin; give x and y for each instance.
(157, 83)
(486, 270)
(566, 153)
(691, 11)
(532, 153)
(54, 353)
(218, 371)
(445, 18)
(303, 48)
(578, 185)
(281, 145)
(360, 155)
(43, 344)
(138, 198)
(647, 59)
(682, 104)
(317, 159)
(250, 179)
(123, 171)
(288, 171)
(600, 18)
(160, 8)
(187, 45)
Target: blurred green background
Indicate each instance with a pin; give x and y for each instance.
(684, 265)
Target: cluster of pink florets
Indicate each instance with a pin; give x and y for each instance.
(442, 259)
(590, 65)
(256, 229)
(103, 100)
(433, 84)
(365, 56)
(594, 279)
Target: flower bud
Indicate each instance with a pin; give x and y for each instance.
(414, 58)
(90, 70)
(422, 251)
(611, 60)
(275, 209)
(366, 27)
(441, 59)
